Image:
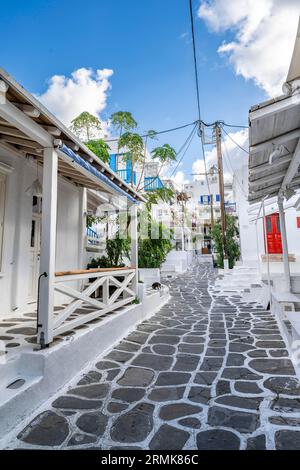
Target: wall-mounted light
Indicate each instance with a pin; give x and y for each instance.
(277, 152)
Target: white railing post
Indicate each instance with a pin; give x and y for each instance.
(134, 245)
(82, 226)
(48, 243)
(285, 250)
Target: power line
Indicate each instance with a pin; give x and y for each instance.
(195, 58)
(197, 87)
(159, 132)
(238, 145)
(188, 143)
(233, 125)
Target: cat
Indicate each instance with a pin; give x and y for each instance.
(156, 286)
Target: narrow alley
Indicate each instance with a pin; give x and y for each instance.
(206, 372)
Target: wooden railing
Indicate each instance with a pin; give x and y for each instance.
(103, 291)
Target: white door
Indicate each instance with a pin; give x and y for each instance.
(34, 258)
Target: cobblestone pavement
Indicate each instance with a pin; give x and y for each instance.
(206, 372)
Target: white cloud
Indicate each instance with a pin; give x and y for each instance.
(179, 180)
(265, 32)
(233, 156)
(85, 90)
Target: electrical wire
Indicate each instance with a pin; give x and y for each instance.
(238, 145)
(159, 132)
(187, 143)
(200, 122)
(233, 125)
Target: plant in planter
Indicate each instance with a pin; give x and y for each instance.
(153, 251)
(232, 245)
(116, 249)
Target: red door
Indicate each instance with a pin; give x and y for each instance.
(272, 226)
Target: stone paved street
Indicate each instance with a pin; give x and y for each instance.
(206, 372)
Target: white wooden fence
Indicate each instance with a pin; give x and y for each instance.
(95, 298)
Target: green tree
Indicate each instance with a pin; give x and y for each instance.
(163, 194)
(165, 154)
(86, 126)
(100, 148)
(152, 252)
(135, 145)
(123, 121)
(150, 135)
(232, 245)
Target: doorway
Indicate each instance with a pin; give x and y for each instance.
(273, 232)
(34, 257)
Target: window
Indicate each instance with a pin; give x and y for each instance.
(2, 208)
(269, 225)
(205, 200)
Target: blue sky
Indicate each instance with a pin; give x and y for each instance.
(147, 45)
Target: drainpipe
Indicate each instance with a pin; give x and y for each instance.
(286, 264)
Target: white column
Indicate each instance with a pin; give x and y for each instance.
(82, 226)
(48, 244)
(285, 250)
(134, 244)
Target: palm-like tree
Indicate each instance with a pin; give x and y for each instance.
(135, 145)
(165, 154)
(150, 135)
(122, 121)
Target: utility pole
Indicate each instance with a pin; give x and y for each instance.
(212, 222)
(221, 189)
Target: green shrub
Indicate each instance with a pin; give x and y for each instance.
(232, 245)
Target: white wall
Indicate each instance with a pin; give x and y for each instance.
(14, 277)
(248, 239)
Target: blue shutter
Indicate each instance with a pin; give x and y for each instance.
(208, 199)
(201, 199)
(218, 198)
(113, 162)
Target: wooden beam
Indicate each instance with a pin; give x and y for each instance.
(3, 90)
(15, 116)
(71, 145)
(293, 168)
(267, 179)
(266, 166)
(53, 130)
(28, 109)
(18, 141)
(278, 140)
(278, 106)
(12, 131)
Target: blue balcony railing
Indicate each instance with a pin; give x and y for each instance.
(91, 233)
(125, 175)
(152, 183)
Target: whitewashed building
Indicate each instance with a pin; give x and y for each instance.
(55, 315)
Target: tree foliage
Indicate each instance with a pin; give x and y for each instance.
(164, 154)
(86, 126)
(123, 121)
(232, 245)
(135, 145)
(116, 249)
(152, 252)
(163, 194)
(100, 148)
